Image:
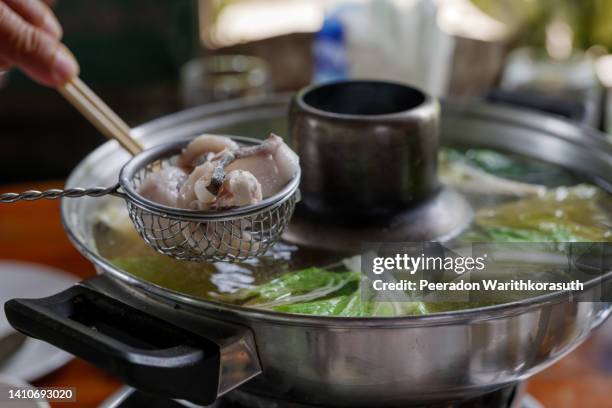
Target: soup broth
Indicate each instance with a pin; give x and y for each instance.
(515, 200)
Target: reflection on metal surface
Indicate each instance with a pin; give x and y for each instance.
(442, 218)
(239, 364)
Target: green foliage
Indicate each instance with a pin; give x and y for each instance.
(591, 20)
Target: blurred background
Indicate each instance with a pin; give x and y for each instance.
(147, 58)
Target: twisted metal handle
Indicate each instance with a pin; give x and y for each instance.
(52, 194)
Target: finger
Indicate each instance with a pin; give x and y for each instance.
(40, 55)
(38, 14)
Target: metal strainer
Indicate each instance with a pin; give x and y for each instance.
(229, 235)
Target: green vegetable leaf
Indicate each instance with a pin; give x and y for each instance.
(564, 214)
(509, 234)
(353, 305)
(317, 291)
(307, 284)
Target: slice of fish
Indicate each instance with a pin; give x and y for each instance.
(203, 145)
(239, 188)
(194, 194)
(163, 186)
(273, 166)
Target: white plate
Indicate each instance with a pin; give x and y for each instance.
(35, 358)
(7, 383)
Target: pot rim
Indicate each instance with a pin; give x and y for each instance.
(423, 109)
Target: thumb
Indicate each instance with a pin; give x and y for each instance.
(37, 53)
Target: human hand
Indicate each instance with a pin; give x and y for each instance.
(30, 39)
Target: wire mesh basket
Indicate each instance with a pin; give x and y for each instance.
(233, 235)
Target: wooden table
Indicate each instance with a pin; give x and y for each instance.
(33, 232)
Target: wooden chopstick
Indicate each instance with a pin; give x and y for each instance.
(95, 99)
(99, 114)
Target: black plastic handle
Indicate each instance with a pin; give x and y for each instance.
(144, 351)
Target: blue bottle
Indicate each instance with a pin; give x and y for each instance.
(330, 51)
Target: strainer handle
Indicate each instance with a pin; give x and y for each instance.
(53, 194)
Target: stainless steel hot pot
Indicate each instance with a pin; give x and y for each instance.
(174, 345)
